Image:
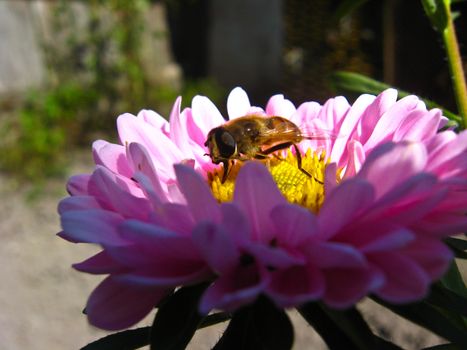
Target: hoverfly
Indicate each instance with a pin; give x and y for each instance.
(254, 137)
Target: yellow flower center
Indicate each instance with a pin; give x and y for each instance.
(298, 187)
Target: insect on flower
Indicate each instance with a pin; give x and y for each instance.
(255, 137)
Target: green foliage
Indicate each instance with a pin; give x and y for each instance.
(96, 73)
(45, 125)
(437, 12)
(361, 84)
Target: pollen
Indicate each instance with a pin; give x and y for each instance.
(303, 187)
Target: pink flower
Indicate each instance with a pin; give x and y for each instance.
(393, 187)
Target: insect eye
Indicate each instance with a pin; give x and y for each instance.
(225, 143)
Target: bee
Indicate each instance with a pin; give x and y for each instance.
(254, 137)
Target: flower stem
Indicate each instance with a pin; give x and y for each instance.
(455, 65)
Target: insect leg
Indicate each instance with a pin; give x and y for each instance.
(298, 154)
(226, 164)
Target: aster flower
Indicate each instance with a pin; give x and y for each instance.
(385, 187)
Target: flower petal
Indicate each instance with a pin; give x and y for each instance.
(205, 114)
(256, 193)
(216, 246)
(294, 224)
(78, 185)
(391, 164)
(342, 205)
(238, 103)
(230, 291)
(295, 285)
(374, 111)
(114, 305)
(178, 129)
(235, 223)
(78, 203)
(199, 198)
(327, 255)
(98, 264)
(112, 196)
(345, 287)
(405, 281)
(432, 255)
(279, 106)
(112, 157)
(92, 226)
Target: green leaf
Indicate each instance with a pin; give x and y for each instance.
(459, 246)
(346, 7)
(453, 280)
(126, 340)
(343, 329)
(430, 317)
(437, 12)
(260, 326)
(447, 299)
(358, 83)
(177, 319)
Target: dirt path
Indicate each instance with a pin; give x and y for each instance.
(41, 297)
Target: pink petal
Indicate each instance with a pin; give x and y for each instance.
(343, 205)
(356, 156)
(390, 121)
(256, 194)
(235, 223)
(216, 246)
(77, 203)
(410, 206)
(389, 241)
(334, 111)
(158, 242)
(391, 164)
(230, 291)
(294, 224)
(98, 264)
(348, 126)
(405, 281)
(174, 217)
(295, 285)
(279, 106)
(327, 255)
(330, 178)
(448, 152)
(205, 114)
(374, 111)
(154, 119)
(178, 129)
(92, 226)
(163, 152)
(112, 157)
(418, 125)
(273, 257)
(238, 103)
(345, 287)
(442, 224)
(306, 113)
(431, 255)
(104, 186)
(167, 278)
(114, 305)
(199, 198)
(78, 184)
(149, 179)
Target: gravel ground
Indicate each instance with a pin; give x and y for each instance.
(41, 297)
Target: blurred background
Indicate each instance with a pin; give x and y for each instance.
(68, 68)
